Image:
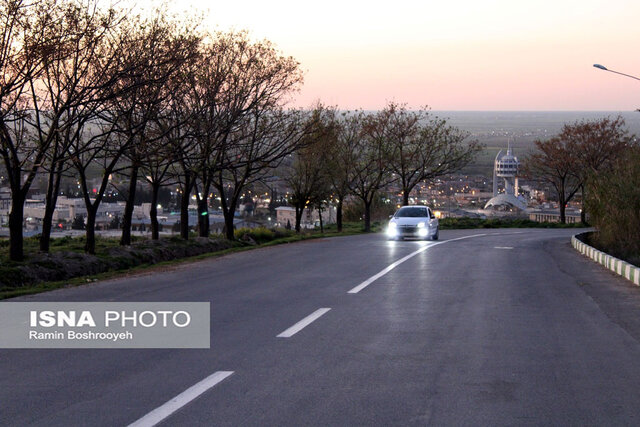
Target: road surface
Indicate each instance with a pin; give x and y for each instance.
(486, 327)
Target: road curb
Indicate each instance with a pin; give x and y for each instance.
(618, 266)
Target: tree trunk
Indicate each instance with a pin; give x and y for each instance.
(90, 244)
(203, 216)
(228, 208)
(299, 211)
(125, 240)
(405, 197)
(367, 216)
(583, 212)
(229, 227)
(53, 189)
(563, 207)
(320, 218)
(16, 217)
(339, 216)
(184, 209)
(45, 236)
(153, 212)
(229, 212)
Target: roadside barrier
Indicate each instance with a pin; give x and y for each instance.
(618, 266)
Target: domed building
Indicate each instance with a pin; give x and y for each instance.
(506, 167)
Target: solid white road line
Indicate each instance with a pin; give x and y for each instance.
(303, 323)
(503, 247)
(162, 412)
(375, 277)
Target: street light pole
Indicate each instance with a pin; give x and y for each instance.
(602, 67)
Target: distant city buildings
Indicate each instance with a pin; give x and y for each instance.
(286, 215)
(109, 215)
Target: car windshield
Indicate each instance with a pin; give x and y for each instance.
(411, 212)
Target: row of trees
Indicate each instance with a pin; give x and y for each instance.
(571, 161)
(85, 89)
(601, 161)
(358, 154)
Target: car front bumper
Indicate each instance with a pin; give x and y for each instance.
(410, 231)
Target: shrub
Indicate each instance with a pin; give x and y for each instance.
(460, 223)
(12, 277)
(614, 206)
(259, 235)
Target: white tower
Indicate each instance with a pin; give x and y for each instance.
(506, 167)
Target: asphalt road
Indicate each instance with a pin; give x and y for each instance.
(495, 327)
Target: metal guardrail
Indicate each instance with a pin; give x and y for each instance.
(618, 266)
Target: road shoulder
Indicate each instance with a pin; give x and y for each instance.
(618, 298)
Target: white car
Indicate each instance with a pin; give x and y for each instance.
(413, 221)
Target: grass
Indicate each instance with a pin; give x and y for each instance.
(61, 244)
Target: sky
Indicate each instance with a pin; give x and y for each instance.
(449, 54)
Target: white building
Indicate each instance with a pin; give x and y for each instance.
(5, 204)
(68, 209)
(506, 167)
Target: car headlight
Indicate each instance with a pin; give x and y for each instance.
(421, 224)
(392, 229)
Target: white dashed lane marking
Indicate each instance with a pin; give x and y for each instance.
(303, 323)
(162, 412)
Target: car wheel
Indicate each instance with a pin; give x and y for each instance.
(435, 236)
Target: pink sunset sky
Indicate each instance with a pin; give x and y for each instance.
(450, 55)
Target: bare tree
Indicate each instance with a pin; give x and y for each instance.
(554, 163)
(581, 150)
(171, 156)
(368, 157)
(160, 48)
(106, 137)
(234, 81)
(62, 94)
(344, 133)
(213, 116)
(259, 146)
(184, 170)
(308, 175)
(26, 43)
(424, 147)
(244, 130)
(598, 144)
(160, 156)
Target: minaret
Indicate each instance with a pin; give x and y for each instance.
(506, 167)
(495, 175)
